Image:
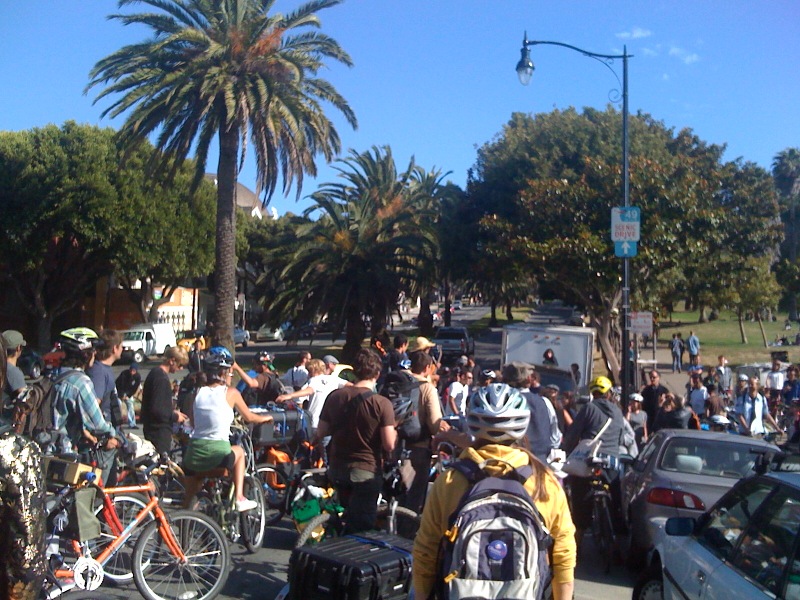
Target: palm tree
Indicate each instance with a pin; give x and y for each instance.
(360, 252)
(786, 173)
(231, 70)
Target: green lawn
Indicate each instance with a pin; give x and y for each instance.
(723, 337)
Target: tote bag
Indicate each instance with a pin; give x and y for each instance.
(576, 464)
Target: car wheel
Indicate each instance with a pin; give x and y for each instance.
(650, 585)
(35, 371)
(138, 356)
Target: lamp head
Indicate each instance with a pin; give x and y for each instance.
(525, 66)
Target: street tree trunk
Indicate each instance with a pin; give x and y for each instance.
(225, 268)
(610, 355)
(761, 326)
(740, 316)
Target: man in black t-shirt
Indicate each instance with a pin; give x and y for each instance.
(651, 396)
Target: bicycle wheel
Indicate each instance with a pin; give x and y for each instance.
(204, 503)
(253, 522)
(275, 485)
(603, 531)
(160, 575)
(405, 522)
(118, 567)
(317, 529)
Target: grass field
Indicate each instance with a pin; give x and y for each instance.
(723, 337)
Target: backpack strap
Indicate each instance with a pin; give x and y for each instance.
(473, 472)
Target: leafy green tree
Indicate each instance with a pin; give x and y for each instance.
(175, 239)
(359, 253)
(786, 173)
(553, 222)
(228, 69)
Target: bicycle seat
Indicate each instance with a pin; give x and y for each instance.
(210, 474)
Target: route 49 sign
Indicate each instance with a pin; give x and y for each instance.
(625, 224)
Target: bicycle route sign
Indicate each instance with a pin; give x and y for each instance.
(625, 230)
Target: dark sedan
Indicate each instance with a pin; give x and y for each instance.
(31, 363)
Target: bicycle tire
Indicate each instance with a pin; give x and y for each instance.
(274, 496)
(406, 521)
(252, 523)
(204, 503)
(604, 530)
(159, 575)
(118, 567)
(317, 529)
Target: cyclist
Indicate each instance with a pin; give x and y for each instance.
(497, 418)
(211, 414)
(78, 419)
(588, 423)
(362, 428)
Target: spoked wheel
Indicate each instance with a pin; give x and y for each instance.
(253, 522)
(118, 567)
(319, 528)
(603, 530)
(275, 485)
(650, 585)
(160, 574)
(404, 522)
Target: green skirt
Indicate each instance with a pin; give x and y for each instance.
(204, 455)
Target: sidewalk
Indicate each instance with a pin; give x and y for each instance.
(674, 382)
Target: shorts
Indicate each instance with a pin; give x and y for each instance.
(204, 455)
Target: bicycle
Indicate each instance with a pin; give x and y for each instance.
(183, 555)
(600, 497)
(217, 497)
(391, 517)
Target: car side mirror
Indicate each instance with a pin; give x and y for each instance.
(679, 526)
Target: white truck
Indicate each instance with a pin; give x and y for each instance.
(147, 339)
(562, 354)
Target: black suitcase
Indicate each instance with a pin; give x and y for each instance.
(368, 566)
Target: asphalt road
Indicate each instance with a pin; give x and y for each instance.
(263, 575)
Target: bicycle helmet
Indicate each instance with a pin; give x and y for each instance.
(77, 341)
(600, 384)
(263, 357)
(498, 413)
(636, 397)
(719, 420)
(217, 358)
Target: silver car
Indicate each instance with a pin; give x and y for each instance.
(681, 473)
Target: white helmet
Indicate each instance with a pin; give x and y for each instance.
(498, 413)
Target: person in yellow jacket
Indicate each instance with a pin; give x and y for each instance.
(497, 417)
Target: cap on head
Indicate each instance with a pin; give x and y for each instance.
(134, 366)
(330, 359)
(636, 398)
(13, 339)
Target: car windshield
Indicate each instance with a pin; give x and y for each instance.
(133, 336)
(449, 334)
(708, 457)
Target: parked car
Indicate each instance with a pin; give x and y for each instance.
(746, 546)
(457, 305)
(186, 339)
(454, 341)
(680, 473)
(241, 337)
(265, 333)
(31, 363)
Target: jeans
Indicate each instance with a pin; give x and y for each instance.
(131, 412)
(358, 493)
(676, 362)
(420, 464)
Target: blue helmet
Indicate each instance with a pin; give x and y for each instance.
(217, 358)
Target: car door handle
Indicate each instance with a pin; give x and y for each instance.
(701, 577)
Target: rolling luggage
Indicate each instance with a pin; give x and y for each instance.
(367, 566)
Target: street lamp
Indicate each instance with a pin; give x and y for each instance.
(525, 70)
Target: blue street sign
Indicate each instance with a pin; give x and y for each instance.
(625, 249)
(625, 223)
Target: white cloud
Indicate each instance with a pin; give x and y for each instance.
(684, 55)
(636, 33)
(649, 52)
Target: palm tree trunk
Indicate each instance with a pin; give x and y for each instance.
(225, 269)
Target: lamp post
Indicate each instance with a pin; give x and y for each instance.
(525, 70)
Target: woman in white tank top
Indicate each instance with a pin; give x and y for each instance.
(211, 414)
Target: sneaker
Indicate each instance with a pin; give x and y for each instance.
(245, 505)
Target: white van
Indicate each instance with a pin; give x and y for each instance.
(147, 339)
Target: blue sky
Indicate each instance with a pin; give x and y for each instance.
(435, 78)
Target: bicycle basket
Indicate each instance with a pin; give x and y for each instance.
(81, 524)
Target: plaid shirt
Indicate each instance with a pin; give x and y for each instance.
(75, 408)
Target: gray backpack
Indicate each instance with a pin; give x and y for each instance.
(496, 545)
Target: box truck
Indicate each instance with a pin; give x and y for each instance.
(147, 339)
